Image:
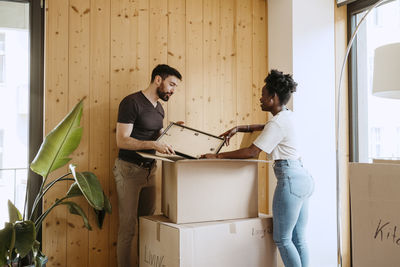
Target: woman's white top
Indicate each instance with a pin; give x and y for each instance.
(278, 139)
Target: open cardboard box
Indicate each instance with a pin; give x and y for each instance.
(232, 243)
(200, 190)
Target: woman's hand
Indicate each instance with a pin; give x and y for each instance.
(228, 134)
(209, 156)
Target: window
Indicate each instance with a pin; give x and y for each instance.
(374, 120)
(398, 140)
(21, 97)
(1, 148)
(376, 140)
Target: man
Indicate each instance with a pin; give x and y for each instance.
(140, 120)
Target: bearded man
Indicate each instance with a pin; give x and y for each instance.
(140, 120)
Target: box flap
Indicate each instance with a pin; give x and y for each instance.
(175, 158)
(163, 157)
(233, 160)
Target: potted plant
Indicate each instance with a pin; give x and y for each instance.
(18, 237)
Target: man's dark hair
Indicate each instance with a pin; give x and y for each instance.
(281, 84)
(164, 71)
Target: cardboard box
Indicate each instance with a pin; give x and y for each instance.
(386, 160)
(196, 190)
(209, 190)
(235, 243)
(375, 217)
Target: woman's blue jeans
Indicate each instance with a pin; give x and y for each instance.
(290, 211)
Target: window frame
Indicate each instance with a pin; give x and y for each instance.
(353, 9)
(36, 95)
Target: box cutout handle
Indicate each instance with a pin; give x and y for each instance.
(158, 231)
(232, 228)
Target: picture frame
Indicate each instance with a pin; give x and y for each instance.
(190, 143)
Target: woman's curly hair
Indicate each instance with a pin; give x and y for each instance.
(281, 84)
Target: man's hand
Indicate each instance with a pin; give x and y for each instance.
(228, 134)
(209, 156)
(163, 148)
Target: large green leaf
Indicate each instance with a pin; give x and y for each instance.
(107, 204)
(25, 234)
(77, 210)
(7, 240)
(90, 187)
(74, 191)
(13, 213)
(101, 214)
(59, 143)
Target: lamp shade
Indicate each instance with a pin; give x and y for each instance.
(386, 79)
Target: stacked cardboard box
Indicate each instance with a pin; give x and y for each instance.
(240, 243)
(209, 190)
(211, 217)
(212, 211)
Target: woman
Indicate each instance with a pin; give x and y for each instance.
(295, 185)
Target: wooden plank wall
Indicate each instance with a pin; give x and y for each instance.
(105, 49)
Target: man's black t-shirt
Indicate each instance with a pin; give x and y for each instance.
(147, 122)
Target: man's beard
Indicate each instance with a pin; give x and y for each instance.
(161, 94)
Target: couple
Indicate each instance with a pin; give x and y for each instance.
(140, 120)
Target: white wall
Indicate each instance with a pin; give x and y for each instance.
(308, 26)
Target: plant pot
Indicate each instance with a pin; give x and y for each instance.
(15, 264)
(32, 265)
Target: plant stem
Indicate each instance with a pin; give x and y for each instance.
(26, 197)
(43, 191)
(10, 258)
(35, 203)
(38, 222)
(47, 187)
(52, 183)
